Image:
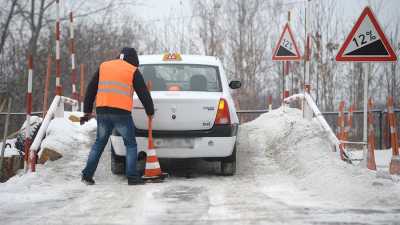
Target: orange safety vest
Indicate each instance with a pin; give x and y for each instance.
(115, 87)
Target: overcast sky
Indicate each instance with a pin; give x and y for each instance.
(156, 12)
(350, 10)
(157, 9)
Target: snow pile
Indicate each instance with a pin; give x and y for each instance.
(34, 121)
(63, 135)
(301, 150)
(54, 180)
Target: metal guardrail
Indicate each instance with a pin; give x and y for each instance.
(21, 113)
(254, 111)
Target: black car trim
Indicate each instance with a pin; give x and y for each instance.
(216, 131)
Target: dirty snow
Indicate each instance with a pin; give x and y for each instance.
(287, 174)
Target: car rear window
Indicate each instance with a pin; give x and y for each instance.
(182, 77)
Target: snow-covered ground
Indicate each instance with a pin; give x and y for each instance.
(287, 174)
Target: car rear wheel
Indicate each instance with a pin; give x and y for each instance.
(228, 164)
(117, 163)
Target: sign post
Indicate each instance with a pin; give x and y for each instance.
(286, 50)
(366, 43)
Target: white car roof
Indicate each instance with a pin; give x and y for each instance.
(186, 59)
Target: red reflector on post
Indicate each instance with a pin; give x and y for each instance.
(223, 116)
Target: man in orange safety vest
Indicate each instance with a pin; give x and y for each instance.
(112, 87)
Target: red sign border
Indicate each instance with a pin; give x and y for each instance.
(286, 58)
(391, 57)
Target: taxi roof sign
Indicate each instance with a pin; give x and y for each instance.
(286, 48)
(172, 57)
(366, 41)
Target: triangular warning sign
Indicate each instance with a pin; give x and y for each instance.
(366, 42)
(286, 49)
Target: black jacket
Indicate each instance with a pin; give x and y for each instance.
(138, 85)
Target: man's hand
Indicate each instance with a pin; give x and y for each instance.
(86, 117)
(150, 115)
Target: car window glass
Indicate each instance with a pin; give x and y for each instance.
(182, 77)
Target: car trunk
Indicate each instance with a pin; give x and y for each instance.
(179, 110)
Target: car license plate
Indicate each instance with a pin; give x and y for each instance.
(173, 143)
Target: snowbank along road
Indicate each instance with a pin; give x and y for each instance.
(287, 174)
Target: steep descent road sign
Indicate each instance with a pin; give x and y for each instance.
(366, 42)
(286, 48)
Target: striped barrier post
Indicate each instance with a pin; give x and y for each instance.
(395, 162)
(386, 135)
(341, 129)
(270, 103)
(348, 121)
(286, 93)
(82, 85)
(371, 138)
(307, 112)
(72, 52)
(46, 86)
(340, 121)
(350, 118)
(58, 53)
(28, 140)
(346, 128)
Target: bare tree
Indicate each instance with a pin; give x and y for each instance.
(6, 24)
(247, 46)
(210, 29)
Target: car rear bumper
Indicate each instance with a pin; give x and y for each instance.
(203, 147)
(216, 131)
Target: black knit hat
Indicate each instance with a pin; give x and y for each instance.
(130, 55)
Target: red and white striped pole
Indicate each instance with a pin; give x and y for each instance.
(82, 85)
(28, 140)
(72, 51)
(58, 61)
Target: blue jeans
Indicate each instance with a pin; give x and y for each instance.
(126, 128)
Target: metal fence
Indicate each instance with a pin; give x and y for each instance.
(16, 122)
(382, 132)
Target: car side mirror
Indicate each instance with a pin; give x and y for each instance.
(235, 84)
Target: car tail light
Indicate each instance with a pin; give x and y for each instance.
(222, 113)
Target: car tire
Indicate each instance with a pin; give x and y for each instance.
(228, 164)
(117, 163)
(141, 163)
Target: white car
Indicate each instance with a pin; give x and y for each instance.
(195, 115)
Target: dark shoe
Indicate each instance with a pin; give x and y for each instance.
(135, 181)
(87, 180)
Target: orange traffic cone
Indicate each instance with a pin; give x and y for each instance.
(395, 162)
(152, 170)
(371, 139)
